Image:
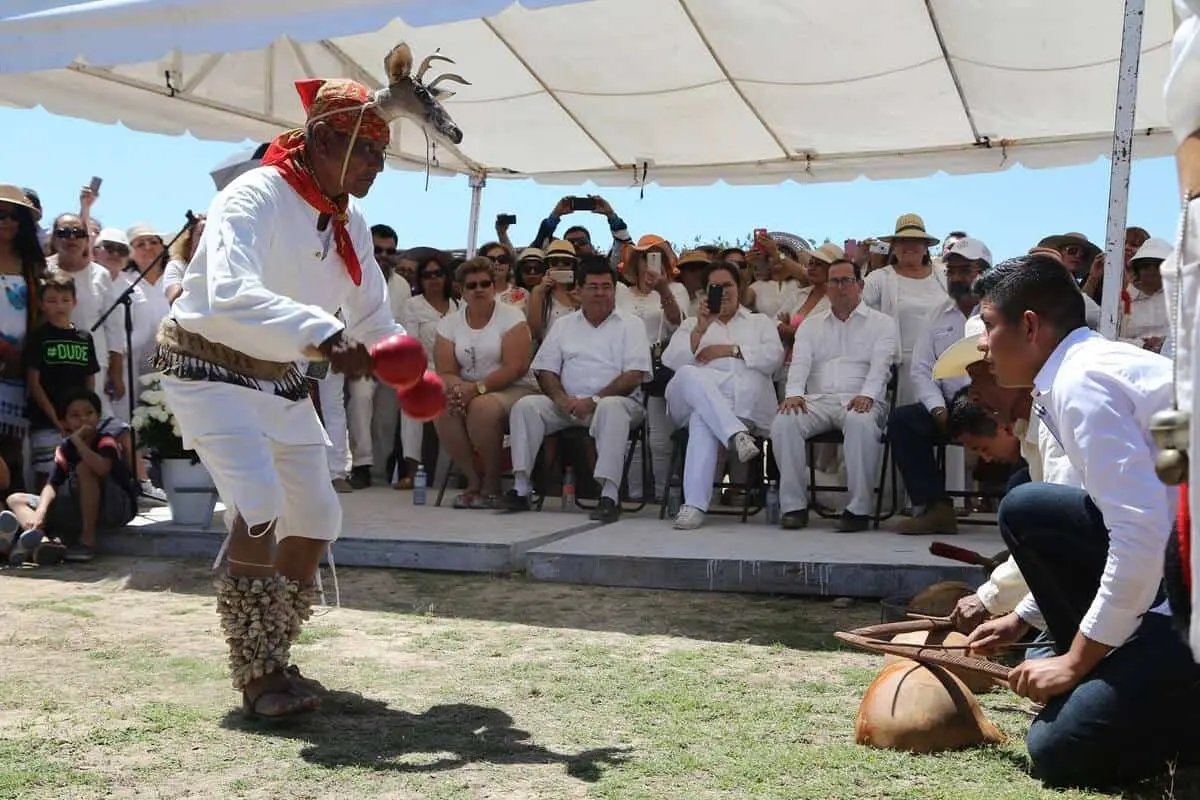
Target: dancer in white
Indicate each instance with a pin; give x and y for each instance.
(284, 250)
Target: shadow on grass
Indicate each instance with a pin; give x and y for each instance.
(354, 731)
(792, 622)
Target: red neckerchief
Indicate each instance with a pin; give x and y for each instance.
(282, 155)
(1183, 531)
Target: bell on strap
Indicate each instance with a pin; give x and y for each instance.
(1169, 428)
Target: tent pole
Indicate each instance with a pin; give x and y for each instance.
(1122, 157)
(477, 182)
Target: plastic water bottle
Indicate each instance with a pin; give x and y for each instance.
(674, 500)
(568, 490)
(419, 483)
(772, 509)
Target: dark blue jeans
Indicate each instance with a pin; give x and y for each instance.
(1135, 712)
(913, 435)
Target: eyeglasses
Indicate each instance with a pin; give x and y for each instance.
(115, 249)
(428, 276)
(486, 283)
(1072, 250)
(70, 233)
(842, 281)
(502, 258)
(598, 288)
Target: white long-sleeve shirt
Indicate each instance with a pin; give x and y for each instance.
(762, 353)
(944, 326)
(843, 358)
(1096, 397)
(266, 282)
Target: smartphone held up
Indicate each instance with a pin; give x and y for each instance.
(715, 295)
(654, 263)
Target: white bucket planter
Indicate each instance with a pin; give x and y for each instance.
(191, 494)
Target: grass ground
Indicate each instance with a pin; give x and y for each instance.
(461, 687)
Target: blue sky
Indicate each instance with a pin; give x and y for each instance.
(154, 178)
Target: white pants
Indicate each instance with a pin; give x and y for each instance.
(412, 437)
(862, 450)
(695, 398)
(266, 454)
(360, 412)
(332, 390)
(385, 418)
(535, 416)
(658, 442)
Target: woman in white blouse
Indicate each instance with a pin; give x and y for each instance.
(433, 300)
(503, 279)
(722, 388)
(149, 305)
(780, 275)
(181, 255)
(1146, 323)
(482, 352)
(907, 290)
(556, 295)
(659, 303)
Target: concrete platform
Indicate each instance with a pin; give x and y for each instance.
(381, 528)
(726, 555)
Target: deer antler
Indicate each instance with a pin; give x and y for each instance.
(449, 76)
(429, 60)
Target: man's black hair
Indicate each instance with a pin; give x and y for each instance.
(574, 228)
(857, 269)
(384, 232)
(1036, 283)
(967, 418)
(595, 265)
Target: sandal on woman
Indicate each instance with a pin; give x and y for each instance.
(466, 500)
(275, 696)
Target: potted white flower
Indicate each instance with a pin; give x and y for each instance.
(191, 494)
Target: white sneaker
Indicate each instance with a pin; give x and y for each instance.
(689, 518)
(744, 444)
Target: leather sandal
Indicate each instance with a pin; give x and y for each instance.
(275, 696)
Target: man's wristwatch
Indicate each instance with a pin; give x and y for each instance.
(481, 388)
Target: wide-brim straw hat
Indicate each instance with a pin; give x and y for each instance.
(693, 257)
(16, 196)
(1060, 241)
(827, 253)
(910, 226)
(561, 248)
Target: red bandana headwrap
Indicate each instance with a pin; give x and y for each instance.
(320, 98)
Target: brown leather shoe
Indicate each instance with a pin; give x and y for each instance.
(938, 518)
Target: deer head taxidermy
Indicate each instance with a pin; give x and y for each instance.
(409, 96)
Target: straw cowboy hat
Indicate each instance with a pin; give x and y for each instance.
(15, 196)
(827, 253)
(910, 226)
(561, 248)
(693, 257)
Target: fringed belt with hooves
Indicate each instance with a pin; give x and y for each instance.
(191, 357)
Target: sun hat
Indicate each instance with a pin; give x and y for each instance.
(142, 230)
(561, 248)
(15, 195)
(1153, 249)
(113, 236)
(827, 253)
(1063, 239)
(693, 257)
(531, 254)
(651, 242)
(910, 226)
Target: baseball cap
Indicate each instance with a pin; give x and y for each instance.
(955, 359)
(969, 248)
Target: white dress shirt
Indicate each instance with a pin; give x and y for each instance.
(847, 358)
(762, 353)
(1096, 397)
(771, 297)
(421, 320)
(943, 327)
(586, 358)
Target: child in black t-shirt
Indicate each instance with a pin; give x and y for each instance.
(90, 487)
(59, 358)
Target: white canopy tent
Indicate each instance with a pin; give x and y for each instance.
(678, 92)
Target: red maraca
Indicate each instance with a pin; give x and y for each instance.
(425, 399)
(399, 360)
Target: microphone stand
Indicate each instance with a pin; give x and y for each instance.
(126, 301)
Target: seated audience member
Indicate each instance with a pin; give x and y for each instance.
(90, 488)
(976, 428)
(1118, 694)
(591, 367)
(482, 353)
(1145, 322)
(722, 390)
(59, 360)
(692, 264)
(838, 379)
(918, 429)
(555, 295)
